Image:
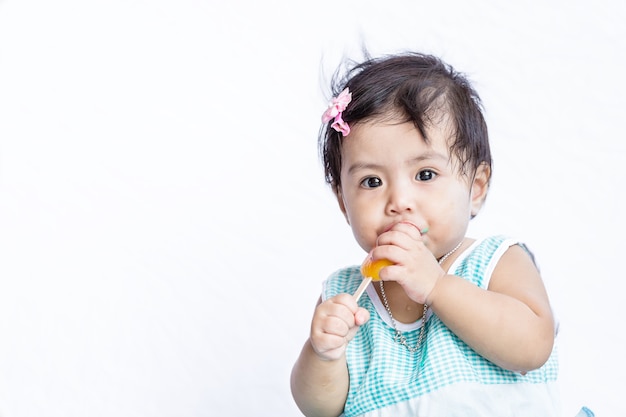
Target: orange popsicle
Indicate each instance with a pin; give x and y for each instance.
(370, 270)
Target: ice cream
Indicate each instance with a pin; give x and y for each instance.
(372, 268)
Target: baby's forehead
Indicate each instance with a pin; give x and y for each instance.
(433, 138)
(379, 135)
(437, 127)
(439, 116)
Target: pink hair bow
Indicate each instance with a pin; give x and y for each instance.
(335, 109)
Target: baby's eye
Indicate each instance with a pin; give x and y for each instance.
(371, 182)
(426, 175)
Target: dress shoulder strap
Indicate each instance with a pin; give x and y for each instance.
(478, 262)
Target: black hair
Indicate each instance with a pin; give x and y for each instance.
(409, 87)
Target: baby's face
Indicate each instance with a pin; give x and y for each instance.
(389, 174)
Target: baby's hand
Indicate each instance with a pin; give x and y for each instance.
(335, 323)
(414, 266)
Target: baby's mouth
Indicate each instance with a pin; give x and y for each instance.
(422, 231)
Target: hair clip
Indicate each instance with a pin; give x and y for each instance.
(336, 106)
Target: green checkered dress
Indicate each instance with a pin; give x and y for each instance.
(450, 378)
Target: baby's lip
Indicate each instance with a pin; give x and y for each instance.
(388, 228)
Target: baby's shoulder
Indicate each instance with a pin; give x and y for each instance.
(486, 248)
(479, 262)
(495, 246)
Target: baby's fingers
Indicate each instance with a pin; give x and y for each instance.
(332, 326)
(361, 317)
(334, 316)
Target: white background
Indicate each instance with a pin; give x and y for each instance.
(164, 224)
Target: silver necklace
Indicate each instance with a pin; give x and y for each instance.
(399, 337)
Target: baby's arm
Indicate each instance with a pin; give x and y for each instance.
(511, 323)
(319, 379)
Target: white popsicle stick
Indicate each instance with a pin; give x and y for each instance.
(359, 291)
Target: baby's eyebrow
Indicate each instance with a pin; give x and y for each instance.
(357, 166)
(428, 155)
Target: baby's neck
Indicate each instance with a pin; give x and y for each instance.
(404, 309)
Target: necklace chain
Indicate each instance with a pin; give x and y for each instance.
(399, 337)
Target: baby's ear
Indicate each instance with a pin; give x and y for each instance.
(342, 204)
(480, 187)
